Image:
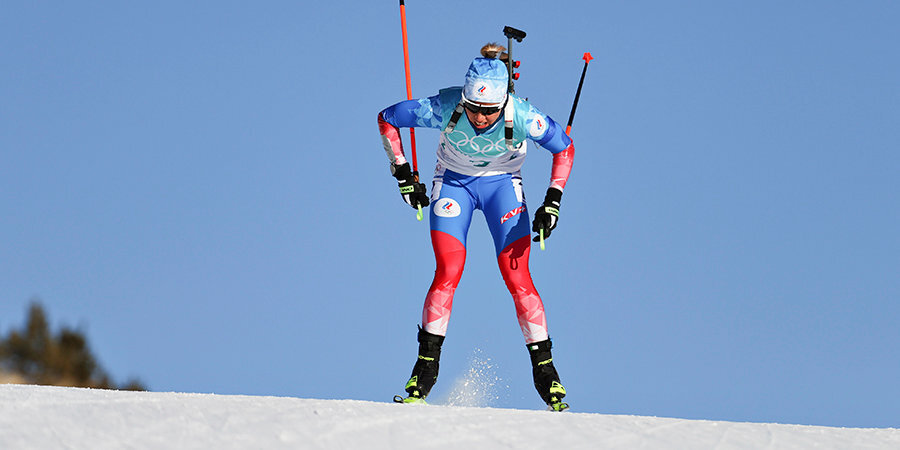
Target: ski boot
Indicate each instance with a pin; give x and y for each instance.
(546, 379)
(425, 371)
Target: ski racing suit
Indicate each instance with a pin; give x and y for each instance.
(480, 169)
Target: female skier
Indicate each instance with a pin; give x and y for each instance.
(479, 157)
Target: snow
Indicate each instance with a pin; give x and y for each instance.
(34, 417)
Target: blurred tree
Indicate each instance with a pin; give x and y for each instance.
(34, 355)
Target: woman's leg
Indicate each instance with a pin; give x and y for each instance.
(450, 217)
(507, 219)
(509, 223)
(450, 258)
(513, 262)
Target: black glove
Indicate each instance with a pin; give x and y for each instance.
(411, 190)
(547, 215)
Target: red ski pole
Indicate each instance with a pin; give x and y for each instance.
(412, 131)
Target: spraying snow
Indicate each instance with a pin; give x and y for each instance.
(479, 386)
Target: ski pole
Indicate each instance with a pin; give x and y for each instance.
(587, 59)
(412, 131)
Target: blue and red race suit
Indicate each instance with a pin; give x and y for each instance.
(480, 169)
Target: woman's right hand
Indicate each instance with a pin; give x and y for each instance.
(413, 192)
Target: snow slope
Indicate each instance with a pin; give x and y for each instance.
(38, 417)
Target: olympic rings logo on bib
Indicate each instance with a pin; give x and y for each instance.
(478, 145)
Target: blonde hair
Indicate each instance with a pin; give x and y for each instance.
(494, 50)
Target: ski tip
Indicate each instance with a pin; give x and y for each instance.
(587, 57)
(558, 407)
(409, 400)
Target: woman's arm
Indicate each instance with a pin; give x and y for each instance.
(409, 113)
(551, 136)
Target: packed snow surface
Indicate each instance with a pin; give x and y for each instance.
(39, 417)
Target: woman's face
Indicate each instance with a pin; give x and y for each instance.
(480, 119)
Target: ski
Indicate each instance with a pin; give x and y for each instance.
(558, 406)
(413, 400)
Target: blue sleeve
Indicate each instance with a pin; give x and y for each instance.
(555, 139)
(542, 129)
(424, 112)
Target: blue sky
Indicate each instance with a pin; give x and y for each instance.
(202, 189)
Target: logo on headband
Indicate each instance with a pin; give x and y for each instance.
(482, 89)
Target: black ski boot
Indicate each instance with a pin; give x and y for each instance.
(425, 372)
(546, 380)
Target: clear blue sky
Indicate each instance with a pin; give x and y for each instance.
(201, 188)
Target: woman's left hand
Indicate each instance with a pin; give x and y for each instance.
(547, 215)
